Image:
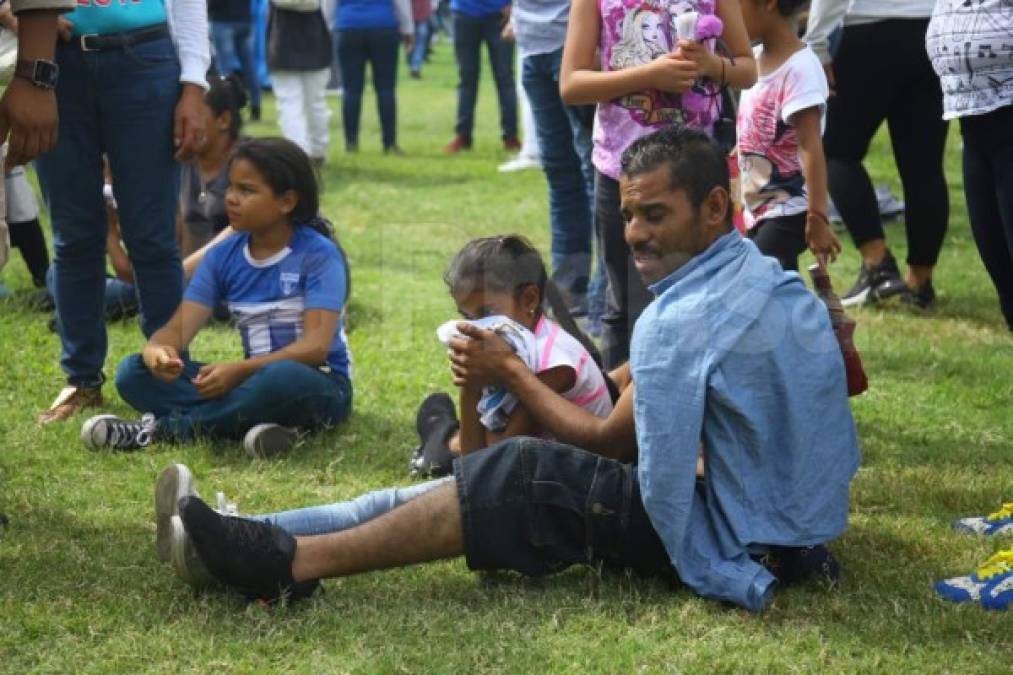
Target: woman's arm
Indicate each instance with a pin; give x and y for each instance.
(581, 81)
(114, 248)
(194, 259)
(821, 239)
(472, 434)
(216, 379)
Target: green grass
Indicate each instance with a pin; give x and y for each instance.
(81, 588)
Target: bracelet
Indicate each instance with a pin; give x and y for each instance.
(821, 216)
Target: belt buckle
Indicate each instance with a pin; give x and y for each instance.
(84, 42)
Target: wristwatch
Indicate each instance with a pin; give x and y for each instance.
(40, 72)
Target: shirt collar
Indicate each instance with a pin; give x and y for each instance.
(718, 246)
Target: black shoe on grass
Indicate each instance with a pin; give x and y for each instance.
(793, 564)
(875, 283)
(252, 557)
(922, 298)
(435, 422)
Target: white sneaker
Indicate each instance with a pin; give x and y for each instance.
(268, 440)
(520, 163)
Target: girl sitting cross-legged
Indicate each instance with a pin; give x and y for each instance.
(285, 284)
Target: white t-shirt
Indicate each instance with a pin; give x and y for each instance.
(771, 172)
(555, 347)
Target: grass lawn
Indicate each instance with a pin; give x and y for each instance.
(82, 590)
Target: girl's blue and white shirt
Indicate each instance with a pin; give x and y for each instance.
(267, 297)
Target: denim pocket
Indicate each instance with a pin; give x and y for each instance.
(558, 523)
(153, 53)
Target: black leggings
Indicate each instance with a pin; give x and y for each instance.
(883, 73)
(27, 237)
(988, 188)
(782, 238)
(378, 47)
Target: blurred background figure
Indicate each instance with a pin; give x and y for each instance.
(233, 36)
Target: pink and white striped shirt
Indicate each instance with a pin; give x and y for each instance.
(556, 348)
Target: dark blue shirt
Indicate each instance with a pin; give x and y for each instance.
(357, 14)
(477, 8)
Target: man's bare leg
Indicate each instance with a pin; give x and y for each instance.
(426, 528)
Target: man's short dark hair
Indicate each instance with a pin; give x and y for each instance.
(695, 163)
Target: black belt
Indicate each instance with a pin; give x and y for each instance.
(99, 43)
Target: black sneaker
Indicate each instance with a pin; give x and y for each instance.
(116, 433)
(922, 298)
(269, 440)
(252, 557)
(434, 409)
(792, 564)
(435, 422)
(875, 283)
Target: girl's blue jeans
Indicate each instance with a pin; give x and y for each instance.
(339, 516)
(284, 392)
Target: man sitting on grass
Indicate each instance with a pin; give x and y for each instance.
(733, 353)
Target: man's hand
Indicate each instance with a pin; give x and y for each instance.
(217, 379)
(28, 114)
(508, 32)
(480, 358)
(163, 362)
(188, 132)
(672, 73)
(409, 43)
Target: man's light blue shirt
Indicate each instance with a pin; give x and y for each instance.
(738, 354)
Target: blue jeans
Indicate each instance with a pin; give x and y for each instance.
(283, 392)
(564, 139)
(233, 42)
(120, 297)
(469, 34)
(120, 102)
(418, 55)
(339, 516)
(378, 47)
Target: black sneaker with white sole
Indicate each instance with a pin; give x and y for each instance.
(252, 557)
(436, 421)
(171, 540)
(269, 440)
(875, 283)
(116, 433)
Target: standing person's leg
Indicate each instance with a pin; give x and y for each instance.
(569, 209)
(627, 296)
(352, 54)
(918, 136)
(854, 114)
(467, 46)
(288, 92)
(244, 49)
(224, 43)
(418, 53)
(72, 173)
(318, 113)
(501, 58)
(988, 187)
(137, 111)
(383, 53)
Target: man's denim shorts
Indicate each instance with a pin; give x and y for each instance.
(538, 507)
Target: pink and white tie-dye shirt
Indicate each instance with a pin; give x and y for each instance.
(554, 348)
(635, 32)
(770, 170)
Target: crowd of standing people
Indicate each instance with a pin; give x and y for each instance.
(700, 401)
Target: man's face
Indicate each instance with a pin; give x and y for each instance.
(663, 229)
